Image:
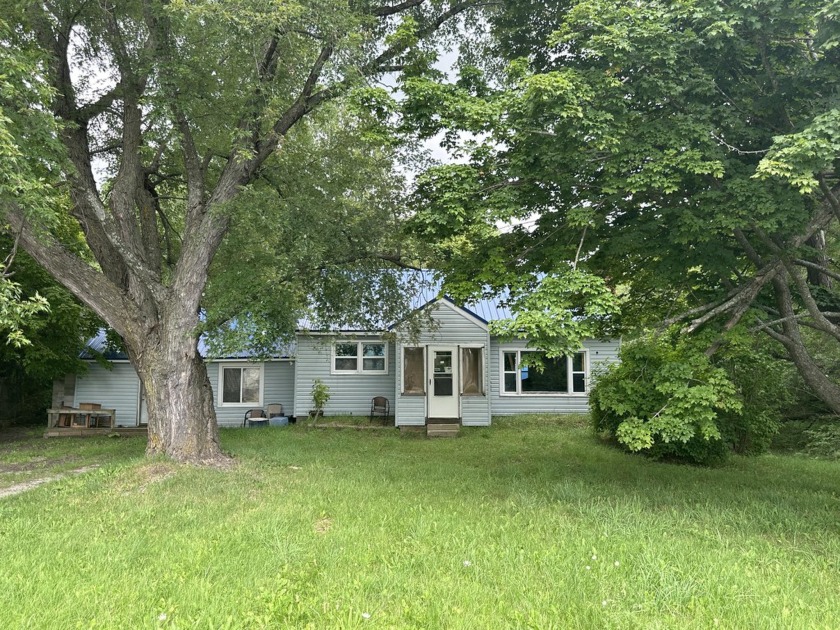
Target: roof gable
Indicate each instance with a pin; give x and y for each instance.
(462, 311)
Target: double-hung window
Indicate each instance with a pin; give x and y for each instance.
(241, 384)
(360, 357)
(557, 375)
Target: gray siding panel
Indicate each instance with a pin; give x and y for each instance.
(474, 410)
(411, 411)
(280, 385)
(350, 394)
(116, 388)
(600, 353)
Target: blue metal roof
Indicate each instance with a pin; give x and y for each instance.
(487, 309)
(99, 346)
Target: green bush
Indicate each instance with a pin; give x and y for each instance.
(669, 400)
(764, 386)
(824, 441)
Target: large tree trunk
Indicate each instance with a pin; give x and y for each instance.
(182, 419)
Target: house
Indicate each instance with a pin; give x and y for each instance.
(453, 369)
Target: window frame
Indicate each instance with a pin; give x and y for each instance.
(424, 350)
(360, 358)
(569, 374)
(240, 365)
(482, 370)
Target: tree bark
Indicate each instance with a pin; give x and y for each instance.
(791, 338)
(182, 418)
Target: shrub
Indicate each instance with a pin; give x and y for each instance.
(320, 396)
(764, 386)
(668, 399)
(824, 441)
(664, 399)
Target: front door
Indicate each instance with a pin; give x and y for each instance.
(443, 382)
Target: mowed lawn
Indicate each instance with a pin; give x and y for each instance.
(530, 523)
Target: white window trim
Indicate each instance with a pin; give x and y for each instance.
(359, 358)
(570, 375)
(240, 365)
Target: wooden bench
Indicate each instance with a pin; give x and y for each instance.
(81, 418)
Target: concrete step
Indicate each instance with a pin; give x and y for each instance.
(440, 429)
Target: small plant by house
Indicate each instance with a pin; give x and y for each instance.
(320, 396)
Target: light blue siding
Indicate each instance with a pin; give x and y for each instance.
(278, 387)
(116, 388)
(599, 353)
(290, 382)
(350, 394)
(452, 327)
(119, 388)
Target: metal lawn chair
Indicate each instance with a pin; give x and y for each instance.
(255, 418)
(380, 406)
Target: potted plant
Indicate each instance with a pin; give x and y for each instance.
(320, 396)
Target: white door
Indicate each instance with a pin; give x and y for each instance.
(443, 382)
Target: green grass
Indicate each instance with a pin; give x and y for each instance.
(29, 456)
(528, 524)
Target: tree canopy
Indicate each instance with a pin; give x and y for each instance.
(685, 152)
(159, 127)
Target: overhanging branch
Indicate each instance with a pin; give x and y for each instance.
(86, 283)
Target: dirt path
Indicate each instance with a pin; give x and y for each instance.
(34, 483)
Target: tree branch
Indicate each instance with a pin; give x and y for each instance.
(811, 304)
(396, 8)
(812, 265)
(7, 262)
(87, 284)
(88, 112)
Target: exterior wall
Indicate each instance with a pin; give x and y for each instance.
(63, 391)
(600, 353)
(278, 387)
(117, 388)
(453, 328)
(350, 394)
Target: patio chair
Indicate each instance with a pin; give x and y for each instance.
(273, 410)
(380, 406)
(255, 417)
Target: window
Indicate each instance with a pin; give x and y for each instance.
(346, 357)
(471, 372)
(241, 384)
(558, 375)
(355, 357)
(373, 357)
(414, 379)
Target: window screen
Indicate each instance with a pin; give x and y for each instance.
(414, 381)
(471, 381)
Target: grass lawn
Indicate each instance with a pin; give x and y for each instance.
(528, 524)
